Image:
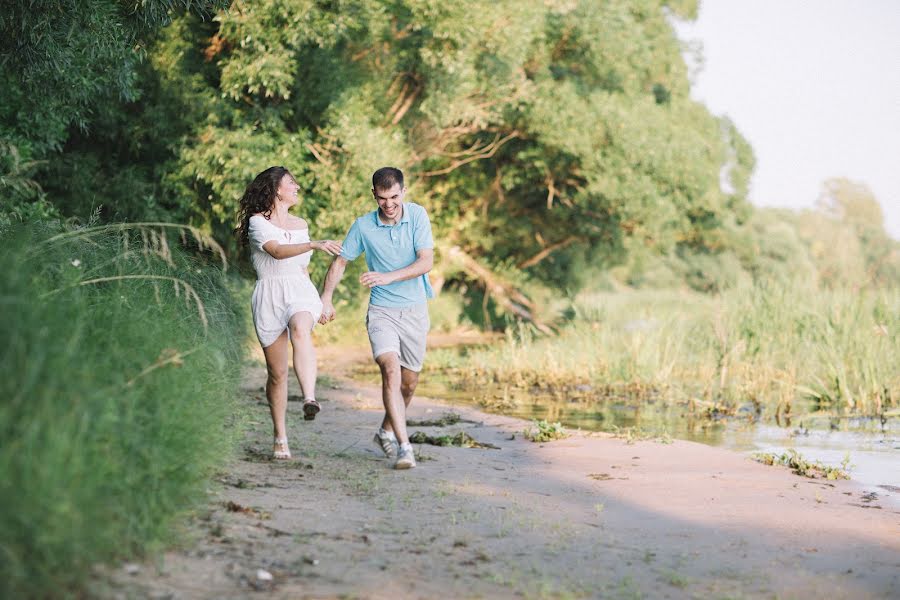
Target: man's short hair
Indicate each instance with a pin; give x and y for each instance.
(385, 178)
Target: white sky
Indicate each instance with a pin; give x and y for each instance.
(814, 86)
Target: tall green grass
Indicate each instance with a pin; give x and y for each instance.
(120, 360)
(774, 346)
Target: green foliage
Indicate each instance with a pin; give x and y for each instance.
(65, 66)
(854, 206)
(542, 431)
(772, 250)
(447, 419)
(562, 131)
(782, 348)
(461, 439)
(801, 466)
(555, 144)
(119, 369)
(74, 56)
(21, 197)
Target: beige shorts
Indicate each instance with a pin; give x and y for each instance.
(400, 330)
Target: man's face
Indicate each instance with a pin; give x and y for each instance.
(390, 201)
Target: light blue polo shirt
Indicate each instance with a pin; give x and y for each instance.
(392, 247)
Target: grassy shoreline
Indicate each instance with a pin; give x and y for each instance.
(775, 348)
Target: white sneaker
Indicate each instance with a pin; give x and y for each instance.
(405, 457)
(387, 442)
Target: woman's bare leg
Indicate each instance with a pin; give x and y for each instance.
(305, 366)
(276, 383)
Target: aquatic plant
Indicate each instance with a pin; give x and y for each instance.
(801, 466)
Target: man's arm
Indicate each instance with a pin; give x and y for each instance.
(423, 263)
(332, 279)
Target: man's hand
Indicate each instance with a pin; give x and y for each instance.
(330, 246)
(328, 313)
(373, 279)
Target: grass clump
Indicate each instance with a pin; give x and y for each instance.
(460, 440)
(801, 466)
(542, 431)
(445, 420)
(119, 366)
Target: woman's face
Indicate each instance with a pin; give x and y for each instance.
(287, 190)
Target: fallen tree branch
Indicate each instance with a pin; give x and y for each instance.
(502, 292)
(546, 252)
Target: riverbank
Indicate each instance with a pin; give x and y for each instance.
(587, 516)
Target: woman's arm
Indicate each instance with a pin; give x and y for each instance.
(282, 251)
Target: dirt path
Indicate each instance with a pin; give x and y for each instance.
(588, 516)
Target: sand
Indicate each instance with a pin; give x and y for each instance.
(588, 516)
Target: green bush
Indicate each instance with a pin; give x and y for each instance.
(119, 363)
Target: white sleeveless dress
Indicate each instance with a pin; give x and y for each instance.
(283, 287)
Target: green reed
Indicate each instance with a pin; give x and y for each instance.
(120, 361)
(773, 346)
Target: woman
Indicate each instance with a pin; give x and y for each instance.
(285, 303)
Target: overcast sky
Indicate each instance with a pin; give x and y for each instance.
(814, 86)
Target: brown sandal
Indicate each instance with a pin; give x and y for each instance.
(310, 409)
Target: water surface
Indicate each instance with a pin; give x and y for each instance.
(873, 444)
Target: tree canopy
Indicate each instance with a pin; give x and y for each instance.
(553, 142)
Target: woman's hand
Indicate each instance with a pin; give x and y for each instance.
(330, 246)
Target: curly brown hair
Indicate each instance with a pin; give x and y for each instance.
(258, 198)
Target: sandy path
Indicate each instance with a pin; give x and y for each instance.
(588, 516)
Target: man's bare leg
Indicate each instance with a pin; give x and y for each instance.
(391, 395)
(408, 382)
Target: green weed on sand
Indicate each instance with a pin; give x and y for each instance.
(542, 431)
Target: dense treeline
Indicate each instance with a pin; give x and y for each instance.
(554, 143)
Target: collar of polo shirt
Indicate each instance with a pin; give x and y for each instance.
(404, 217)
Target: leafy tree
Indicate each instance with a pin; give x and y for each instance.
(846, 237)
(543, 137)
(554, 143)
(66, 63)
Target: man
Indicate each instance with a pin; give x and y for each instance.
(396, 239)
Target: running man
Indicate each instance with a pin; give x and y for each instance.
(396, 239)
